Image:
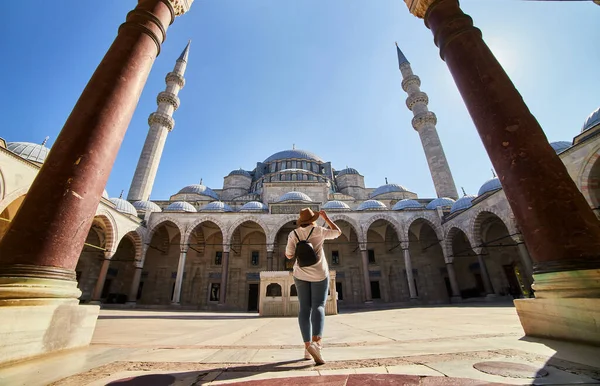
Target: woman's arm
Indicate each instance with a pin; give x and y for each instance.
(330, 223)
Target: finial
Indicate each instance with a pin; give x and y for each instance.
(186, 51)
(293, 146)
(493, 173)
(463, 189)
(45, 140)
(401, 58)
(121, 195)
(386, 180)
(200, 181)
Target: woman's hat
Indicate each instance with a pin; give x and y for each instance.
(307, 216)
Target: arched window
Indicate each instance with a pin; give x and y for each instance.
(293, 291)
(294, 177)
(305, 177)
(273, 289)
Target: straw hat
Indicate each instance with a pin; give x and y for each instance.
(307, 216)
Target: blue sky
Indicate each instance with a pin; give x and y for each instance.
(266, 74)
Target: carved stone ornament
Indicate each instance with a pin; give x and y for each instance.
(410, 80)
(175, 77)
(419, 7)
(419, 97)
(181, 6)
(168, 97)
(422, 119)
(162, 119)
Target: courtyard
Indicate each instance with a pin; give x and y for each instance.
(158, 347)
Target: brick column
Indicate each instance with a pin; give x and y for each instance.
(42, 245)
(409, 272)
(179, 278)
(97, 294)
(367, 280)
(224, 273)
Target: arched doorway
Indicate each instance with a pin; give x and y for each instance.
(90, 261)
(469, 274)
(280, 262)
(121, 270)
(386, 263)
(8, 214)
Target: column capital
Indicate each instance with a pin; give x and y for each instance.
(404, 245)
(181, 6)
(184, 248)
(270, 247)
(109, 254)
(419, 7)
(226, 248)
(362, 246)
(518, 238)
(138, 264)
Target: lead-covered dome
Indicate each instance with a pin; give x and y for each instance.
(489, 186)
(200, 190)
(254, 206)
(146, 206)
(294, 196)
(180, 206)
(216, 206)
(560, 146)
(124, 206)
(591, 121)
(30, 151)
(240, 172)
(440, 202)
(463, 203)
(335, 205)
(347, 171)
(294, 154)
(407, 204)
(372, 205)
(387, 188)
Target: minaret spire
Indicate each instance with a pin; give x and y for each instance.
(424, 123)
(161, 123)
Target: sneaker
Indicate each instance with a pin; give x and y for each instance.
(315, 351)
(307, 355)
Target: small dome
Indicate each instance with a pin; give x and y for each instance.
(124, 206)
(347, 171)
(105, 194)
(240, 172)
(407, 204)
(146, 206)
(216, 206)
(387, 188)
(253, 206)
(199, 189)
(489, 186)
(335, 205)
(294, 154)
(440, 202)
(560, 146)
(591, 121)
(372, 205)
(180, 206)
(294, 196)
(462, 203)
(30, 151)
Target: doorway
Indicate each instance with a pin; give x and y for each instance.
(253, 297)
(339, 290)
(514, 287)
(375, 292)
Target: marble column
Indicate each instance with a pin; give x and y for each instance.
(224, 274)
(487, 282)
(179, 278)
(137, 275)
(409, 273)
(367, 280)
(46, 236)
(97, 294)
(453, 282)
(269, 260)
(524, 255)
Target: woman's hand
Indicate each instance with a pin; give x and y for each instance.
(322, 214)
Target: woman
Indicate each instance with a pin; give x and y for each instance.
(312, 281)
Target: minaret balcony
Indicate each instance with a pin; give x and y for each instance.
(423, 119)
(161, 119)
(176, 78)
(168, 97)
(409, 81)
(418, 97)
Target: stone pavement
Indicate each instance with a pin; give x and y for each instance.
(429, 345)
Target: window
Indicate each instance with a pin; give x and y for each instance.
(254, 258)
(371, 256)
(304, 165)
(294, 177)
(293, 290)
(305, 177)
(218, 258)
(273, 167)
(273, 289)
(335, 257)
(215, 289)
(294, 164)
(315, 168)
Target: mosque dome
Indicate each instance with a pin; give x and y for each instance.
(253, 206)
(372, 205)
(591, 121)
(440, 202)
(387, 188)
(407, 204)
(105, 194)
(180, 206)
(30, 151)
(347, 171)
(216, 206)
(294, 196)
(124, 206)
(335, 205)
(240, 172)
(146, 206)
(294, 154)
(560, 146)
(489, 186)
(462, 203)
(200, 190)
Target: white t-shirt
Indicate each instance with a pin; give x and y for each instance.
(319, 270)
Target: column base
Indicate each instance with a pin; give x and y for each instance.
(33, 291)
(95, 303)
(572, 319)
(456, 299)
(490, 297)
(30, 331)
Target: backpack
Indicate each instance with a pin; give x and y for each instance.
(305, 254)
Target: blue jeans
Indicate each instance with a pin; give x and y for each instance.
(312, 297)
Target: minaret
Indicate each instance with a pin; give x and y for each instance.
(424, 123)
(161, 123)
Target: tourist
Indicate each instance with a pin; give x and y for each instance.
(311, 275)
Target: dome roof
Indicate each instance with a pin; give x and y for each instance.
(489, 186)
(199, 189)
(240, 172)
(180, 206)
(372, 205)
(124, 206)
(30, 151)
(592, 120)
(462, 203)
(335, 204)
(347, 171)
(216, 206)
(253, 206)
(440, 202)
(294, 154)
(105, 194)
(560, 146)
(407, 204)
(294, 196)
(387, 188)
(146, 206)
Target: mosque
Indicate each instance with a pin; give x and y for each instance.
(205, 248)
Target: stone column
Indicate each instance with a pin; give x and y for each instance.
(367, 280)
(487, 282)
(270, 258)
(453, 282)
(224, 274)
(42, 245)
(97, 294)
(409, 272)
(524, 255)
(179, 278)
(135, 284)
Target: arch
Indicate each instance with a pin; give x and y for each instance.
(136, 240)
(275, 229)
(428, 219)
(109, 225)
(349, 220)
(381, 216)
(191, 227)
(160, 222)
(585, 175)
(448, 241)
(2, 186)
(12, 197)
(479, 217)
(273, 289)
(236, 224)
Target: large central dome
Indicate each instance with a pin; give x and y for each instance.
(294, 154)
